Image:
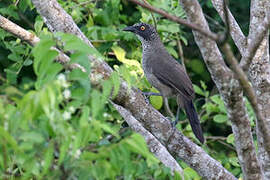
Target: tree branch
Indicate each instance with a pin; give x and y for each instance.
(177, 145)
(18, 31)
(258, 71)
(254, 42)
(154, 145)
(230, 58)
(230, 90)
(32, 39)
(235, 31)
(207, 33)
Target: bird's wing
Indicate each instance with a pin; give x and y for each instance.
(172, 74)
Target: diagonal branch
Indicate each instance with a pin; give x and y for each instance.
(32, 39)
(18, 31)
(207, 33)
(177, 144)
(254, 43)
(235, 30)
(154, 145)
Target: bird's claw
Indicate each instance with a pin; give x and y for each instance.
(173, 123)
(146, 96)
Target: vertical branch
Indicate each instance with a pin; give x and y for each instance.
(180, 52)
(230, 90)
(235, 31)
(259, 71)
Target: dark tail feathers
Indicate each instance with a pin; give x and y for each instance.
(193, 120)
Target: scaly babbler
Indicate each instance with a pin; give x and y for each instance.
(166, 74)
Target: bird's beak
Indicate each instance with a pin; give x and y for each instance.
(129, 28)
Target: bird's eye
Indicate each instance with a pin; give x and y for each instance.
(142, 28)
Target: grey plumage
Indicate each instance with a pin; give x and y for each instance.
(165, 73)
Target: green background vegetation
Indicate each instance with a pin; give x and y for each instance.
(54, 124)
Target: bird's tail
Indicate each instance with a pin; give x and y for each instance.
(193, 120)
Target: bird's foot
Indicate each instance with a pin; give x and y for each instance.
(146, 97)
(174, 123)
(172, 120)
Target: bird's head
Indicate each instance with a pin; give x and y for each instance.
(145, 32)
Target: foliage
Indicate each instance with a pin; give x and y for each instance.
(54, 124)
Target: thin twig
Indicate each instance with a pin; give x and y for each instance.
(180, 52)
(224, 38)
(216, 138)
(209, 34)
(153, 17)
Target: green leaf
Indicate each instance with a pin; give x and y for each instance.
(203, 85)
(38, 26)
(120, 55)
(220, 118)
(11, 76)
(106, 90)
(198, 90)
(116, 83)
(85, 116)
(156, 101)
(48, 158)
(197, 66)
(63, 151)
(27, 62)
(137, 144)
(234, 161)
(32, 137)
(14, 57)
(107, 128)
(217, 99)
(190, 173)
(73, 43)
(8, 139)
(230, 139)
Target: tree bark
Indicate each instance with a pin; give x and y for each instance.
(259, 73)
(230, 90)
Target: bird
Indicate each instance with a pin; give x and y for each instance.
(165, 74)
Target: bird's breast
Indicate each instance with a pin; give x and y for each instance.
(153, 80)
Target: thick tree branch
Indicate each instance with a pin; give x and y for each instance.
(248, 89)
(133, 101)
(230, 58)
(235, 31)
(230, 91)
(259, 72)
(154, 145)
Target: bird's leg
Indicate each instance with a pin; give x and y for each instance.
(177, 117)
(148, 94)
(167, 107)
